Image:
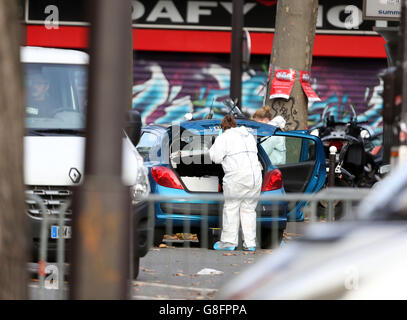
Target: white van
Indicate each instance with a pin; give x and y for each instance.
(54, 143)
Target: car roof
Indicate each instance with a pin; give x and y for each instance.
(52, 55)
(203, 126)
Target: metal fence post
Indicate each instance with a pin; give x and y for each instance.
(332, 161)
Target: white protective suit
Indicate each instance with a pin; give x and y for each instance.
(275, 146)
(236, 150)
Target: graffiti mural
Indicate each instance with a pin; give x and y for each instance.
(165, 89)
(340, 83)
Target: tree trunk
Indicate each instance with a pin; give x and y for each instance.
(292, 48)
(13, 221)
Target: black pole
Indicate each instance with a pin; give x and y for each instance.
(332, 163)
(403, 42)
(388, 112)
(100, 234)
(236, 52)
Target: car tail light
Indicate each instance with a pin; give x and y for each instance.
(336, 143)
(272, 181)
(166, 177)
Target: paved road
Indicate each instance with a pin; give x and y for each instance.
(172, 272)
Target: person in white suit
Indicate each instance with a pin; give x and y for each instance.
(274, 146)
(236, 150)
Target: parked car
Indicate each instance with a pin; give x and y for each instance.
(361, 259)
(54, 145)
(179, 165)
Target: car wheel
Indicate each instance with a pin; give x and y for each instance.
(269, 240)
(158, 236)
(136, 267)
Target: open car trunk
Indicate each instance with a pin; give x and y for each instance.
(197, 172)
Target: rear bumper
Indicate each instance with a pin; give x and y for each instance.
(268, 215)
(215, 209)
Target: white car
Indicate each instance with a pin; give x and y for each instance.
(362, 259)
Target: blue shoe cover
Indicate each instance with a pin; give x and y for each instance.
(224, 246)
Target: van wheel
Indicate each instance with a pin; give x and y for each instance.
(158, 236)
(136, 267)
(269, 240)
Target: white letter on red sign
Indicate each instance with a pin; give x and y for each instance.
(194, 10)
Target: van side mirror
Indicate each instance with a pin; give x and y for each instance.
(133, 126)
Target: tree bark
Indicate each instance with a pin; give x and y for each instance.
(13, 221)
(292, 48)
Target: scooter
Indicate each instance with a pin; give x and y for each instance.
(347, 140)
(348, 162)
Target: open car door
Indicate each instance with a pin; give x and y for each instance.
(301, 159)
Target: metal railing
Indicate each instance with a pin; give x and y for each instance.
(201, 215)
(320, 206)
(43, 247)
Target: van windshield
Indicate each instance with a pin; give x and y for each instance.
(55, 96)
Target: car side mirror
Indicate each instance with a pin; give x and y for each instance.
(133, 126)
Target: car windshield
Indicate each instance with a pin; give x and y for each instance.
(55, 96)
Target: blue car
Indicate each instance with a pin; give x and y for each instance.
(179, 165)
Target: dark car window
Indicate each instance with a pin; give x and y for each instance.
(55, 96)
(288, 150)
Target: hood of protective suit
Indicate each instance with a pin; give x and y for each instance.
(241, 130)
(278, 122)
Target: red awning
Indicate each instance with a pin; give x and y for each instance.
(207, 41)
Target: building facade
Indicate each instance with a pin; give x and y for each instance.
(182, 53)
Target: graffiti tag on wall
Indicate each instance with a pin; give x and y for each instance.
(166, 91)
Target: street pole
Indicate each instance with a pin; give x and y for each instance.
(391, 88)
(389, 113)
(236, 52)
(332, 163)
(100, 255)
(402, 154)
